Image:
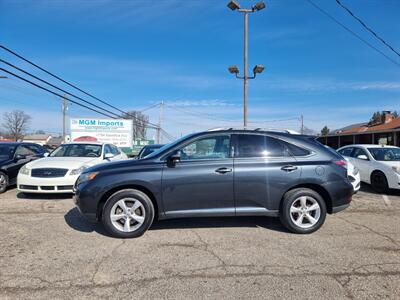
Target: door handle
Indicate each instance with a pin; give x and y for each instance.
(289, 168)
(223, 170)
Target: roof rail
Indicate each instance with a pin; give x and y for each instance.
(289, 131)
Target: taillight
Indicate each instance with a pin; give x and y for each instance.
(341, 162)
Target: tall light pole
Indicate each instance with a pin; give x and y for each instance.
(233, 5)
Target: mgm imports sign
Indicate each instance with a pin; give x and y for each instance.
(113, 131)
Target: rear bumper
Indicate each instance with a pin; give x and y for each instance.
(339, 208)
(341, 193)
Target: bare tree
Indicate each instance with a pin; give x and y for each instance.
(140, 122)
(16, 123)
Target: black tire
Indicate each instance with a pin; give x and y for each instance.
(379, 182)
(148, 213)
(293, 196)
(3, 182)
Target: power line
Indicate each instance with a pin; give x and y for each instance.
(54, 93)
(70, 84)
(352, 32)
(367, 27)
(60, 89)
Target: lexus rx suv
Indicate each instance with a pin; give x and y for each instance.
(225, 172)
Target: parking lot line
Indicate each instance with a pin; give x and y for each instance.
(386, 200)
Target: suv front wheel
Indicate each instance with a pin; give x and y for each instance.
(303, 211)
(128, 213)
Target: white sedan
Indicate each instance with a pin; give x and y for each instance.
(379, 165)
(58, 172)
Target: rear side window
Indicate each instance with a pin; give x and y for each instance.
(296, 151)
(346, 151)
(252, 145)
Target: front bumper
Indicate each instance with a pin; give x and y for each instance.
(28, 184)
(84, 203)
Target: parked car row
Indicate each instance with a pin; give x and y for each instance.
(34, 170)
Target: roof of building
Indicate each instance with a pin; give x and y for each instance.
(365, 128)
(37, 137)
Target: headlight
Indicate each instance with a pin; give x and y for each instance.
(87, 177)
(24, 170)
(396, 169)
(77, 171)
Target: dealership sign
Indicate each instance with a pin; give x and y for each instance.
(117, 132)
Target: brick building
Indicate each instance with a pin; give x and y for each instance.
(385, 132)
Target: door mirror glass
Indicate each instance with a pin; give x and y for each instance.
(108, 155)
(174, 158)
(362, 156)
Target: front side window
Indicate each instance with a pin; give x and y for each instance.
(215, 147)
(346, 151)
(252, 145)
(77, 150)
(24, 150)
(6, 151)
(35, 148)
(357, 152)
(385, 154)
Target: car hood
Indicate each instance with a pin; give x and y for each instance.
(120, 164)
(63, 162)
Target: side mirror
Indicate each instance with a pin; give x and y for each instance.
(19, 157)
(108, 156)
(173, 159)
(46, 154)
(362, 156)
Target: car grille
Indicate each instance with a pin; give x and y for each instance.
(48, 172)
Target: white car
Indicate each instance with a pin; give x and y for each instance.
(354, 175)
(58, 172)
(379, 165)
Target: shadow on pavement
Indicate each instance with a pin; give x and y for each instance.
(33, 196)
(366, 188)
(77, 222)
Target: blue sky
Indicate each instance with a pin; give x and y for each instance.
(137, 53)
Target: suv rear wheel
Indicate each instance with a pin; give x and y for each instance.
(303, 211)
(128, 213)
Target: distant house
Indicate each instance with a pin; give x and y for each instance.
(41, 139)
(386, 132)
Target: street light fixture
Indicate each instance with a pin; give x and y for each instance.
(259, 6)
(258, 69)
(233, 69)
(233, 5)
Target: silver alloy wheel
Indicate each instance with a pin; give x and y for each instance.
(3, 180)
(305, 212)
(127, 215)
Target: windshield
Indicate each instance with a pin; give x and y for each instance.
(147, 150)
(7, 151)
(77, 150)
(385, 154)
(170, 145)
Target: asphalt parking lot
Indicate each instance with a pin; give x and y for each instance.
(47, 250)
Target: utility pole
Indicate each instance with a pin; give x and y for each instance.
(64, 112)
(160, 116)
(233, 5)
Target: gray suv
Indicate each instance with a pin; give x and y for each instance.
(219, 173)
